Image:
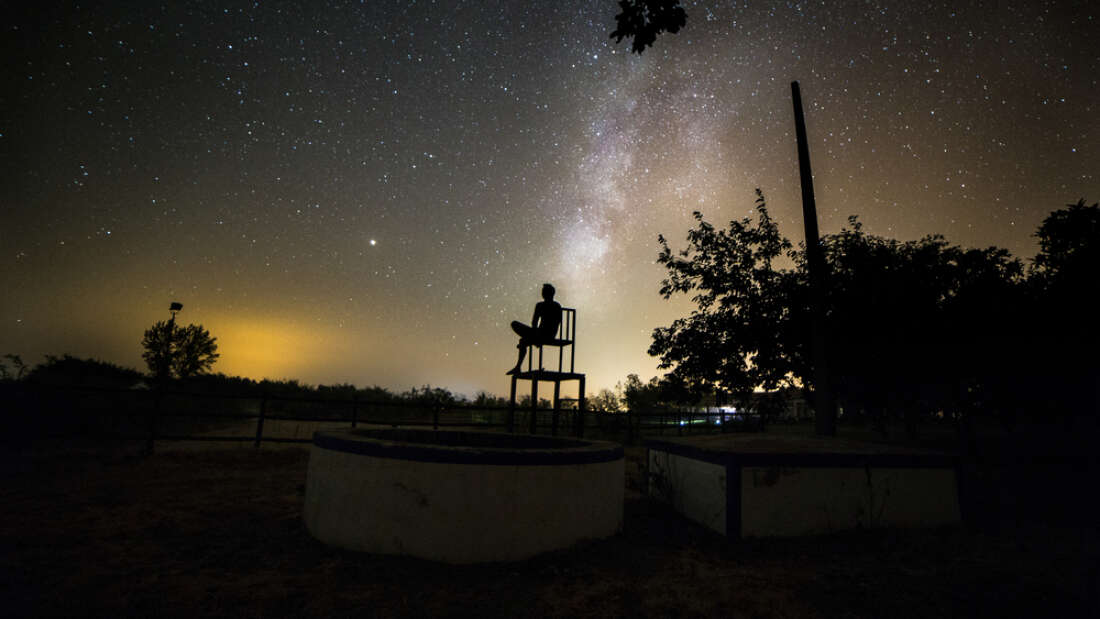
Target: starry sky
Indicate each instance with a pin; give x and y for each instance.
(369, 192)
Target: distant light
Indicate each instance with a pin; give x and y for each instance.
(373, 242)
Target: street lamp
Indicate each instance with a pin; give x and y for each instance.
(175, 307)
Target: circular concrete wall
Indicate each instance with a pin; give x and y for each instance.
(461, 497)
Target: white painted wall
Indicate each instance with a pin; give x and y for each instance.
(788, 501)
(459, 513)
(694, 488)
(780, 501)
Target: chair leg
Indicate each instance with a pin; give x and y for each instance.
(580, 408)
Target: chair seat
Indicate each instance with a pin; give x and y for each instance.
(547, 375)
(555, 343)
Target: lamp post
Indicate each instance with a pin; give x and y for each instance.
(175, 308)
(169, 345)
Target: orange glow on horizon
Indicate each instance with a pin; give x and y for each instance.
(267, 349)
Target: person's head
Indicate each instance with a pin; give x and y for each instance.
(547, 292)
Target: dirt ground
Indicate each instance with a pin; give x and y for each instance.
(218, 532)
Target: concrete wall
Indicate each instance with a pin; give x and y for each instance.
(694, 488)
(459, 513)
(777, 500)
(784, 501)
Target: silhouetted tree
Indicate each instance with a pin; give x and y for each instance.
(919, 328)
(731, 343)
(1069, 246)
(606, 400)
(180, 352)
(488, 400)
(67, 370)
(17, 370)
(643, 20)
(674, 391)
(377, 394)
(196, 351)
(1061, 317)
(640, 397)
(432, 396)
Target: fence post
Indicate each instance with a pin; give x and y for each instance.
(354, 409)
(512, 408)
(557, 407)
(260, 421)
(154, 415)
(534, 405)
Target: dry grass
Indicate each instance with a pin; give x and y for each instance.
(218, 533)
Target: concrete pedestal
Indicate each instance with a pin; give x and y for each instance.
(461, 497)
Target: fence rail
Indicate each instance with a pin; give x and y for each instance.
(169, 415)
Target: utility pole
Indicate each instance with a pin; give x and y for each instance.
(824, 405)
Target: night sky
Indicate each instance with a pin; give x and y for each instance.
(370, 192)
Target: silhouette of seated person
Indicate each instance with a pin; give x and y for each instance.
(543, 329)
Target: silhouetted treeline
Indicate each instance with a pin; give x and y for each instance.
(916, 329)
(68, 396)
(69, 371)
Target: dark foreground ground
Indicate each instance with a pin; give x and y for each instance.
(219, 533)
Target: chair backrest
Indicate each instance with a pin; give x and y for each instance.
(567, 330)
(567, 336)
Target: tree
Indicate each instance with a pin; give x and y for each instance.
(180, 352)
(1069, 245)
(485, 399)
(919, 327)
(17, 370)
(432, 396)
(606, 400)
(1062, 320)
(640, 397)
(69, 371)
(730, 343)
(643, 20)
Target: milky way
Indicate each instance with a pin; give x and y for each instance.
(370, 192)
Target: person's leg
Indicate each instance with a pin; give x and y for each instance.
(522, 346)
(525, 334)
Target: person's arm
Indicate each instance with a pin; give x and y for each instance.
(536, 317)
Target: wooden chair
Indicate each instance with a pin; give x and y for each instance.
(566, 338)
